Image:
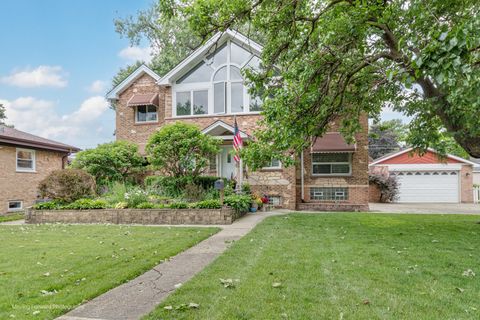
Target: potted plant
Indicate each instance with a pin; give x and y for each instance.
(264, 201)
(253, 206)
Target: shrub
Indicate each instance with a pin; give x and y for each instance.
(121, 205)
(208, 182)
(207, 204)
(241, 203)
(67, 185)
(50, 205)
(388, 186)
(85, 204)
(135, 196)
(114, 161)
(181, 149)
(167, 185)
(193, 192)
(145, 205)
(178, 205)
(116, 193)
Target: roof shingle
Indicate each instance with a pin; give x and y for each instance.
(20, 138)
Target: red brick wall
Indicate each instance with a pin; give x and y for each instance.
(409, 158)
(126, 128)
(357, 182)
(283, 183)
(466, 184)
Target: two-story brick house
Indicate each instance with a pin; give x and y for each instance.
(26, 159)
(207, 88)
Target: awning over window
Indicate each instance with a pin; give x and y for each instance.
(332, 142)
(143, 99)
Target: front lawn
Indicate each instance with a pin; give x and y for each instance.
(12, 217)
(341, 266)
(48, 269)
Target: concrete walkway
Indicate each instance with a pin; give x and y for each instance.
(426, 208)
(141, 295)
(12, 223)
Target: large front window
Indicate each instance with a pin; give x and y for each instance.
(216, 85)
(331, 163)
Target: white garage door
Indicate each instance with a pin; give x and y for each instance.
(428, 186)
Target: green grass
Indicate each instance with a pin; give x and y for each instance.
(341, 266)
(46, 270)
(12, 217)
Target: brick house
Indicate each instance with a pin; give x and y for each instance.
(207, 89)
(25, 159)
(426, 177)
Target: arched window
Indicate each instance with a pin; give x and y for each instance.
(216, 85)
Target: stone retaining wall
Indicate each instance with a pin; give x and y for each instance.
(135, 216)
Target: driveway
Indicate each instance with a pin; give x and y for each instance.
(453, 208)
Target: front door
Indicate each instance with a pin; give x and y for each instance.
(227, 164)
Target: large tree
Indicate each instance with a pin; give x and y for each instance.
(3, 115)
(169, 38)
(386, 137)
(339, 59)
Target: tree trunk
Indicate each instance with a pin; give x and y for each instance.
(471, 145)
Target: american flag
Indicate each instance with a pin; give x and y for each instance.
(237, 142)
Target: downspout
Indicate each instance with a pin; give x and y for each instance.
(302, 178)
(65, 159)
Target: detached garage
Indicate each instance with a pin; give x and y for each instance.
(428, 178)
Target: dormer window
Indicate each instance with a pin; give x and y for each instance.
(146, 113)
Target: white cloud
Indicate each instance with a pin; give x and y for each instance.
(42, 76)
(388, 114)
(97, 86)
(133, 54)
(79, 128)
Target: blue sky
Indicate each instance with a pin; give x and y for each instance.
(57, 60)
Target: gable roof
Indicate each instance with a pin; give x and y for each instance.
(23, 139)
(402, 152)
(217, 40)
(219, 127)
(140, 71)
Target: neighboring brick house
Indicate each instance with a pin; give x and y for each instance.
(25, 159)
(427, 177)
(207, 89)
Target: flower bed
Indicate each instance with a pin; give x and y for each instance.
(170, 216)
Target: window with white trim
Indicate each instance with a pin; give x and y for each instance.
(15, 205)
(216, 85)
(329, 193)
(25, 160)
(147, 113)
(192, 102)
(331, 164)
(273, 164)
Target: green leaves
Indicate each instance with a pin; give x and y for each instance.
(114, 161)
(339, 60)
(181, 149)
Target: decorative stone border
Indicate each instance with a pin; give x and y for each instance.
(134, 216)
